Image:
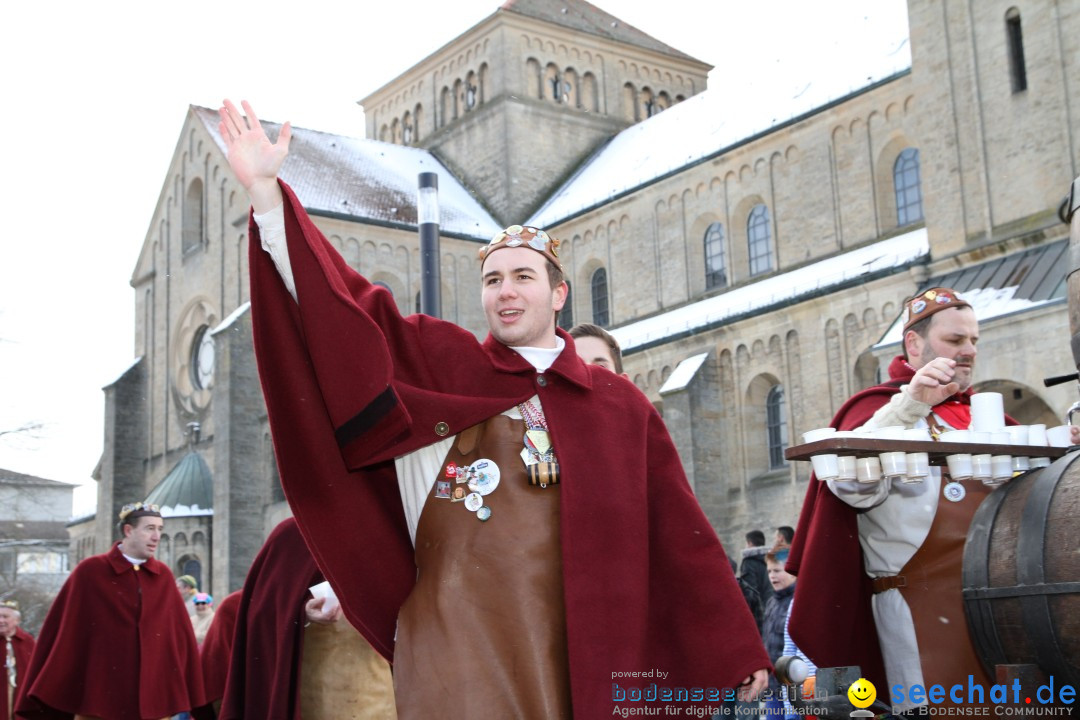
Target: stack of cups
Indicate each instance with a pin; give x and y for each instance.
(987, 417)
(918, 464)
(959, 463)
(980, 462)
(893, 464)
(826, 465)
(1018, 435)
(846, 463)
(1037, 437)
(1000, 465)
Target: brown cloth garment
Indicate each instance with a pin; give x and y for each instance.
(933, 592)
(342, 677)
(448, 631)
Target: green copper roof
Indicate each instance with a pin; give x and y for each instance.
(188, 489)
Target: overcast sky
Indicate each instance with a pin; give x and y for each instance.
(95, 97)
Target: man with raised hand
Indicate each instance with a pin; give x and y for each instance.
(511, 527)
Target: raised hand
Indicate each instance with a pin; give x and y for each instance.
(933, 382)
(253, 158)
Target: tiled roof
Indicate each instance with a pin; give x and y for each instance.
(706, 126)
(367, 180)
(10, 477)
(1014, 283)
(586, 17)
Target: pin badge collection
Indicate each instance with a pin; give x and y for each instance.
(470, 484)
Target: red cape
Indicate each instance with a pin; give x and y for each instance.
(350, 384)
(117, 643)
(22, 645)
(831, 619)
(264, 672)
(216, 649)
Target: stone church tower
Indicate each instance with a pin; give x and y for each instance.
(518, 102)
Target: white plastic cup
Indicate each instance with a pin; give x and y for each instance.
(987, 412)
(956, 436)
(894, 465)
(1037, 435)
(1060, 436)
(1018, 435)
(918, 464)
(868, 470)
(890, 432)
(960, 467)
(825, 465)
(1000, 465)
(846, 468)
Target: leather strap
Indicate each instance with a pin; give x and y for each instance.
(889, 582)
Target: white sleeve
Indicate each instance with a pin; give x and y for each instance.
(902, 409)
(272, 232)
(860, 495)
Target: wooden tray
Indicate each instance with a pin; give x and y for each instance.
(867, 447)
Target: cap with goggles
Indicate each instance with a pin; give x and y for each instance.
(524, 236)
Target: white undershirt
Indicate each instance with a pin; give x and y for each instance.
(416, 471)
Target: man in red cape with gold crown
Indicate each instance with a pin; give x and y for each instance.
(577, 556)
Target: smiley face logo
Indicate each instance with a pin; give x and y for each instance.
(862, 693)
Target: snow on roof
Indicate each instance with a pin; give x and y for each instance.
(369, 180)
(710, 123)
(989, 304)
(784, 288)
(684, 373)
(224, 324)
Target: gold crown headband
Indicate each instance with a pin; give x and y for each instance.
(524, 236)
(13, 604)
(139, 509)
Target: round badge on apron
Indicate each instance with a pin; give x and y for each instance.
(483, 476)
(954, 492)
(483, 513)
(473, 501)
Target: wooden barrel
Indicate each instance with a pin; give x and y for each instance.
(1072, 217)
(1022, 572)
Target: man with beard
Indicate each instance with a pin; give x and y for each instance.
(889, 555)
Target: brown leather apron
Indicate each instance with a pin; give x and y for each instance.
(483, 633)
(934, 594)
(342, 677)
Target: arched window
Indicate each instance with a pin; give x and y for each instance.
(566, 315)
(759, 240)
(418, 305)
(190, 565)
(908, 193)
(776, 426)
(715, 264)
(193, 216)
(472, 91)
(1015, 37)
(446, 107)
(407, 128)
(600, 314)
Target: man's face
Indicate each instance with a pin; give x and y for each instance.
(952, 334)
(185, 590)
(9, 620)
(519, 303)
(202, 608)
(141, 539)
(779, 577)
(595, 351)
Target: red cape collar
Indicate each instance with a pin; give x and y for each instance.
(121, 564)
(567, 365)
